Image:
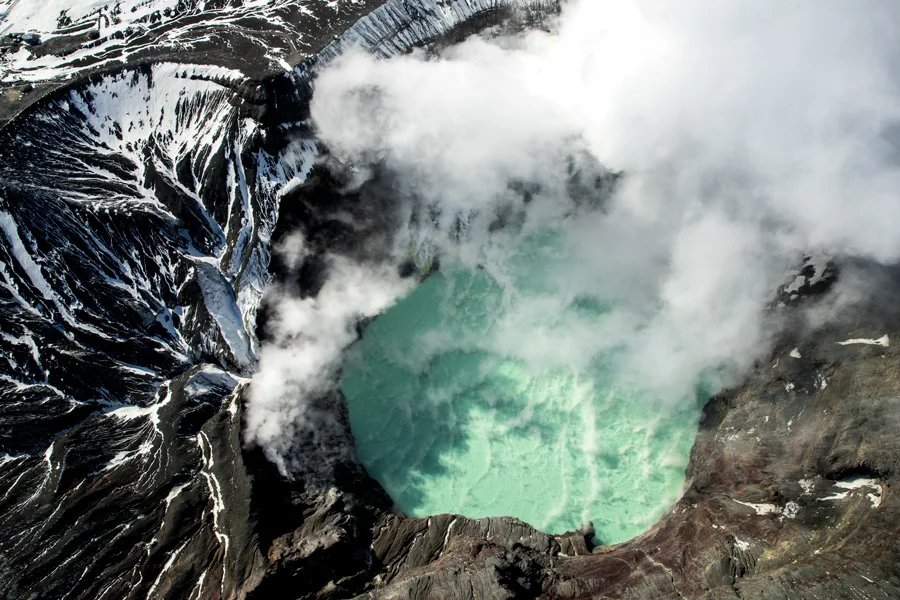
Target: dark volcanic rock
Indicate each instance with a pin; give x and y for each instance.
(136, 212)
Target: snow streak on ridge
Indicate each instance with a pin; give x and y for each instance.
(135, 217)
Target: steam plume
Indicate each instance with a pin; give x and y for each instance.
(748, 133)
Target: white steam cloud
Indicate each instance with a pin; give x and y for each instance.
(299, 366)
(748, 133)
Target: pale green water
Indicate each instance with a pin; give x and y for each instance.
(452, 413)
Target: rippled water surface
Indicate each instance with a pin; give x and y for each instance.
(462, 400)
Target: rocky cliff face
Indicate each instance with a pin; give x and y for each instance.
(135, 210)
(138, 209)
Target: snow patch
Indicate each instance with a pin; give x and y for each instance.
(174, 492)
(762, 508)
(882, 341)
(209, 379)
(215, 488)
(790, 510)
(221, 303)
(851, 485)
(128, 413)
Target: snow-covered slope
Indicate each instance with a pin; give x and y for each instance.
(135, 215)
(60, 15)
(256, 37)
(137, 209)
(395, 27)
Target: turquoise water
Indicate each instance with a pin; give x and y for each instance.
(459, 404)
